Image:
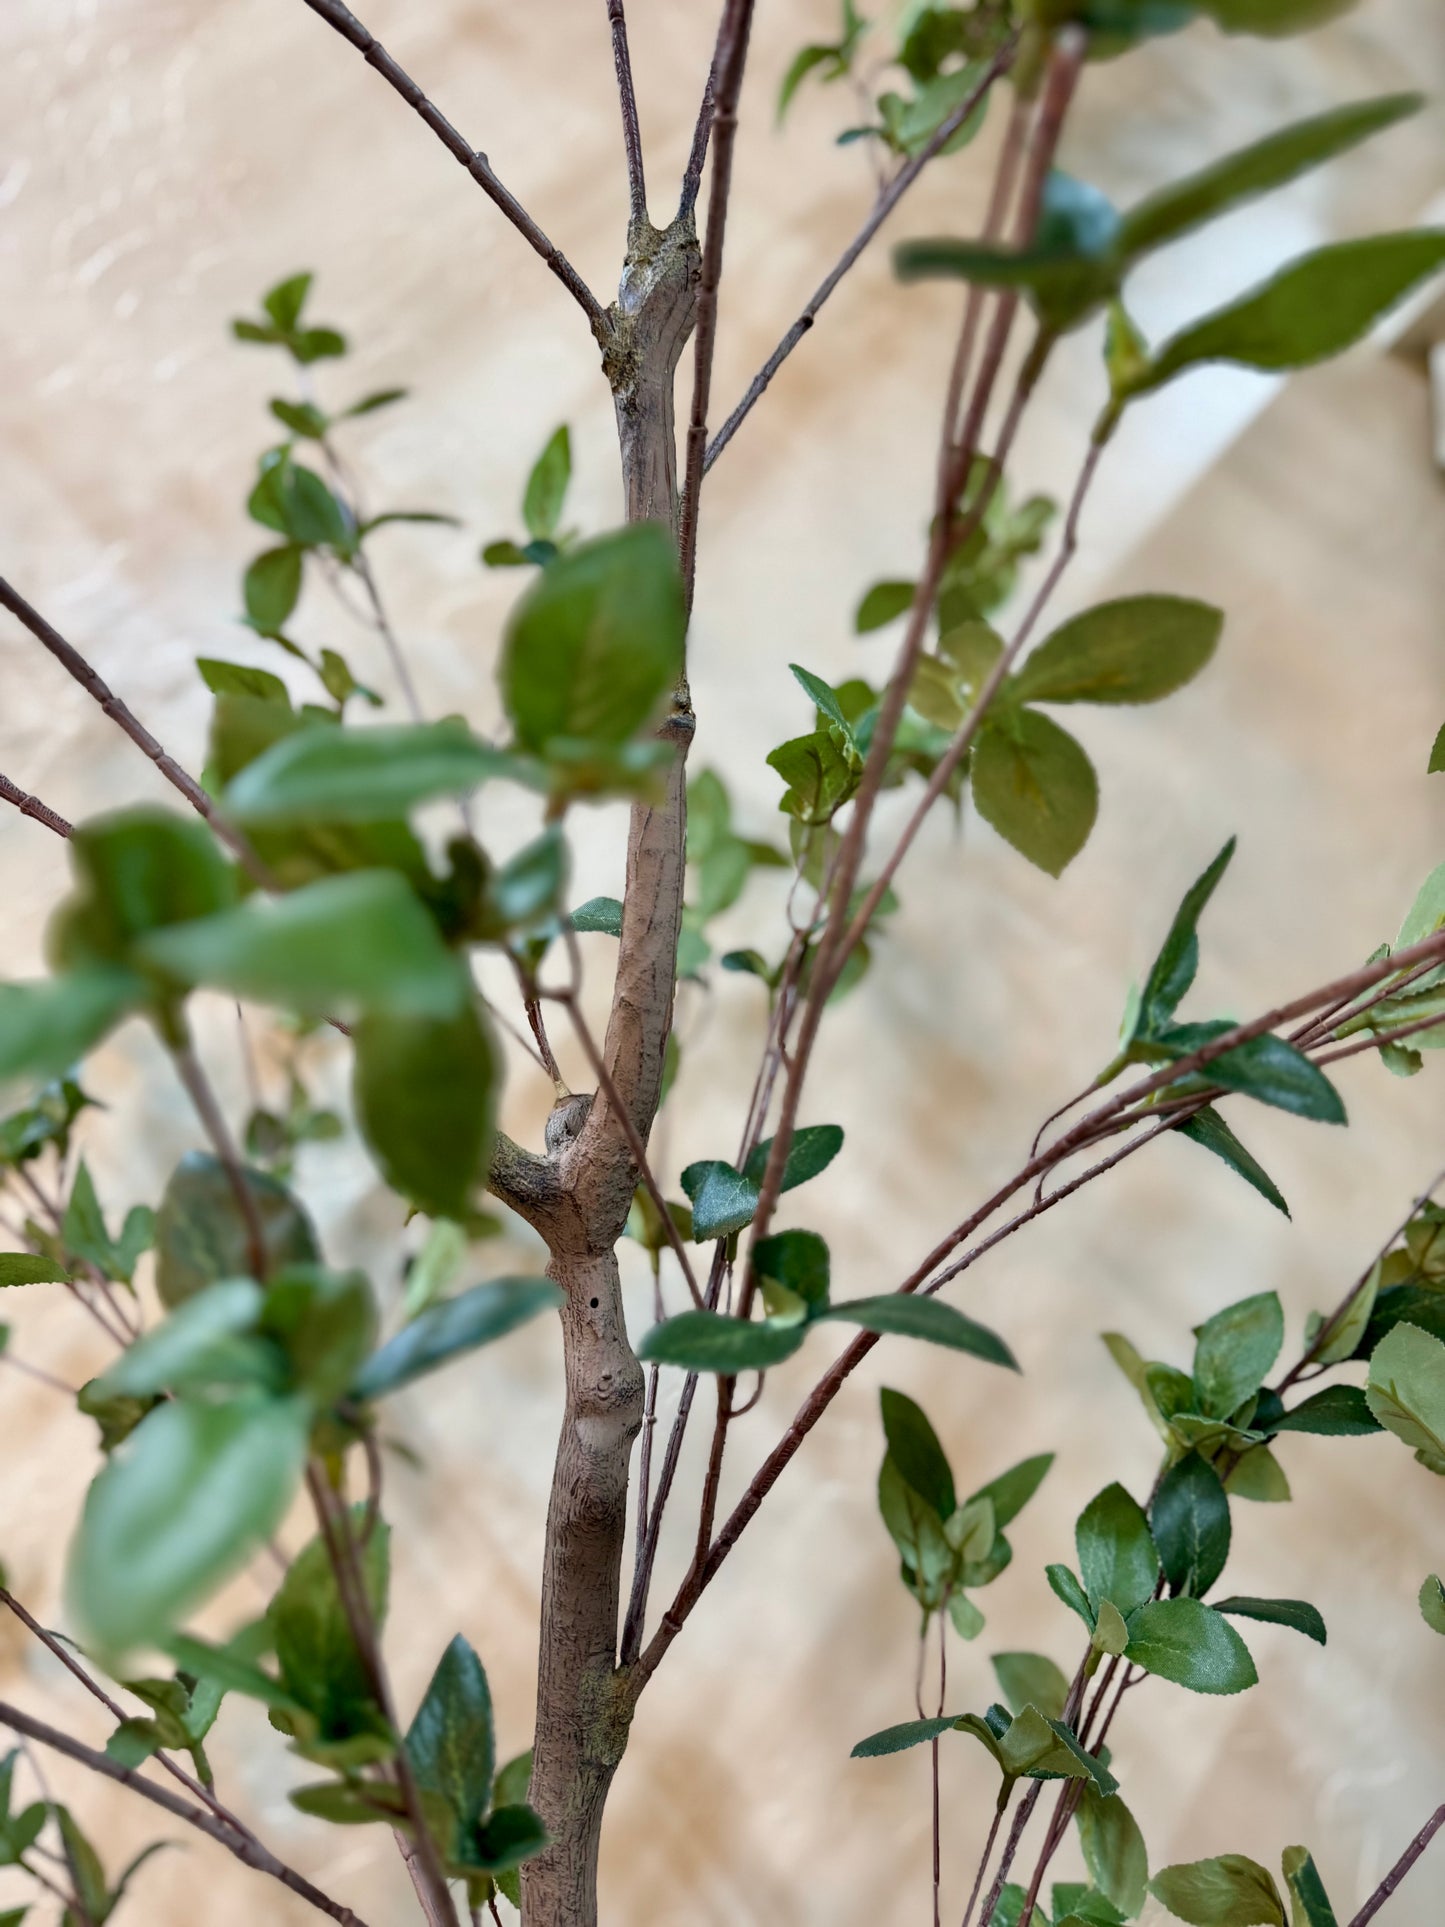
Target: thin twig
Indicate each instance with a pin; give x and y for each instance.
(33, 807)
(472, 159)
(627, 99)
(1401, 1867)
(213, 1121)
(75, 664)
(731, 59)
(244, 1847)
(891, 194)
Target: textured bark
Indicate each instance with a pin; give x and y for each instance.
(579, 1194)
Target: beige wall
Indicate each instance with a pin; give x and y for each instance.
(160, 162)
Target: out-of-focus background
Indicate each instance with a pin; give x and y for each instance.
(162, 161)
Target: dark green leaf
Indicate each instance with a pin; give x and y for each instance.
(1234, 1350)
(293, 500)
(1065, 1586)
(1271, 17)
(1208, 1128)
(914, 1447)
(317, 344)
(450, 1743)
(796, 1260)
(136, 871)
(1297, 1614)
(509, 1836)
(1011, 1491)
(1266, 1068)
(819, 775)
(1174, 968)
(1189, 1518)
(368, 774)
(600, 914)
(182, 1505)
(201, 1235)
(906, 1315)
(812, 1150)
(897, 1739)
(240, 679)
(708, 1341)
(596, 643)
(1136, 650)
(303, 418)
(722, 1199)
(1315, 308)
(285, 301)
(1037, 788)
(1116, 1553)
(529, 886)
(1185, 1641)
(546, 489)
(451, 1327)
(1257, 169)
(324, 1323)
(1437, 754)
(425, 1091)
(1306, 1889)
(319, 1662)
(1029, 1679)
(1339, 1411)
(381, 398)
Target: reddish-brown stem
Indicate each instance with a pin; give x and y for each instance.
(627, 100)
(1401, 1867)
(75, 665)
(32, 807)
(472, 159)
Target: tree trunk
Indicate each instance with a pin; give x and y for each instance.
(580, 1197)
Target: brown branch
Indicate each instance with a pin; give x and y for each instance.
(731, 59)
(697, 154)
(33, 807)
(472, 159)
(887, 200)
(75, 664)
(1401, 1867)
(243, 1847)
(627, 99)
(213, 1121)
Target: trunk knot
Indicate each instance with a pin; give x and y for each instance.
(564, 1124)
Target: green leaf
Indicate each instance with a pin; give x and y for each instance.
(47, 1027)
(906, 1315)
(1339, 1411)
(451, 1327)
(271, 587)
(1065, 1586)
(362, 774)
(1114, 1851)
(184, 1349)
(796, 1260)
(381, 398)
(425, 1091)
(824, 698)
(1310, 1904)
(201, 1236)
(240, 679)
(709, 1341)
(1189, 1518)
(812, 1150)
(342, 1803)
(451, 1745)
(1208, 1128)
(546, 489)
(1432, 1603)
(596, 642)
(285, 301)
(819, 776)
(324, 1322)
(916, 1527)
(1033, 783)
(1136, 650)
(1437, 754)
(21, 1268)
(338, 946)
(136, 871)
(1174, 969)
(293, 500)
(722, 1199)
(600, 914)
(1271, 17)
(1315, 308)
(181, 1506)
(1185, 1641)
(1297, 1614)
(1228, 1891)
(914, 1447)
(318, 1659)
(1406, 1391)
(1234, 1350)
(1116, 1553)
(1266, 1068)
(897, 1739)
(1071, 268)
(882, 604)
(510, 1835)
(303, 418)
(1111, 1635)
(1257, 169)
(1011, 1491)
(1029, 1679)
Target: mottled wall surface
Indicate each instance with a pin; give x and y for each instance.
(160, 162)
